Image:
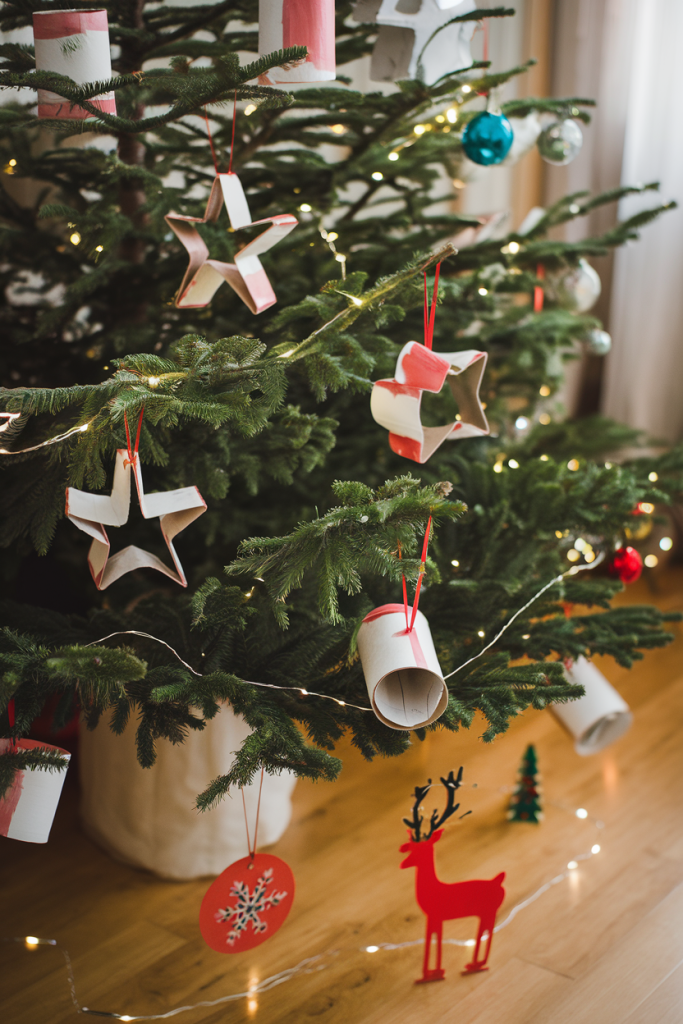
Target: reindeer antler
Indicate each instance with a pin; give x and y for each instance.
(451, 784)
(416, 822)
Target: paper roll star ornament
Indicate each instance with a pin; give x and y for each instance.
(246, 275)
(75, 44)
(27, 809)
(406, 31)
(247, 903)
(396, 403)
(598, 718)
(309, 23)
(447, 901)
(92, 512)
(402, 672)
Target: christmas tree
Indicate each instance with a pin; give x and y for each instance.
(525, 803)
(312, 520)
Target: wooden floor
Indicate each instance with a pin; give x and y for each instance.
(603, 946)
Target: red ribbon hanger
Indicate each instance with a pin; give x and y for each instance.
(430, 314)
(132, 453)
(423, 560)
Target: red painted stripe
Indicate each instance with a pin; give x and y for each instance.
(8, 804)
(424, 369)
(310, 23)
(58, 24)
(65, 110)
(397, 389)
(406, 446)
(384, 609)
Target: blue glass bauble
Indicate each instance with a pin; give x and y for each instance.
(487, 138)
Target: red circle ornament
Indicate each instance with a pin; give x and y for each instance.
(626, 564)
(247, 903)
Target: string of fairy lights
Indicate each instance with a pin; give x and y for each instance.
(322, 961)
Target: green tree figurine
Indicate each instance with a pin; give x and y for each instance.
(525, 803)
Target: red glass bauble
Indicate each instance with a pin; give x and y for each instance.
(626, 564)
(247, 903)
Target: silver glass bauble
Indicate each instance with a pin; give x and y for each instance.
(560, 142)
(598, 342)
(579, 288)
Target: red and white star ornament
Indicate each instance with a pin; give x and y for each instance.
(246, 275)
(92, 512)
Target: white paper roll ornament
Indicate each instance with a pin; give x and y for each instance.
(402, 672)
(309, 23)
(73, 43)
(28, 808)
(597, 719)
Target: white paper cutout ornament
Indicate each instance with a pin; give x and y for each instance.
(597, 719)
(73, 43)
(246, 275)
(92, 512)
(396, 403)
(406, 27)
(402, 672)
(28, 808)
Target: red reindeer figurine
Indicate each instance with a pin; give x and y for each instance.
(443, 901)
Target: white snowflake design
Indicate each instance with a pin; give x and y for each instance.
(249, 906)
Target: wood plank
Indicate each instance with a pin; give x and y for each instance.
(664, 1005)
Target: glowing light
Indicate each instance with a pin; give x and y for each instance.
(580, 544)
(355, 301)
(513, 247)
(84, 427)
(332, 236)
(284, 355)
(574, 208)
(466, 89)
(340, 258)
(572, 865)
(99, 248)
(338, 129)
(581, 812)
(304, 692)
(371, 949)
(651, 561)
(544, 418)
(608, 465)
(652, 477)
(305, 208)
(249, 109)
(470, 942)
(595, 848)
(544, 391)
(521, 423)
(31, 940)
(419, 129)
(543, 458)
(498, 468)
(573, 555)
(480, 632)
(483, 291)
(154, 382)
(342, 702)
(457, 183)
(393, 156)
(559, 534)
(573, 465)
(526, 636)
(440, 118)
(126, 1017)
(646, 507)
(377, 175)
(75, 238)
(455, 563)
(666, 543)
(12, 162)
(513, 464)
(589, 556)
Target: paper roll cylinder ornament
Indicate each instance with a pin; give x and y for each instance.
(309, 23)
(73, 43)
(598, 718)
(92, 512)
(27, 809)
(396, 403)
(405, 38)
(402, 672)
(246, 275)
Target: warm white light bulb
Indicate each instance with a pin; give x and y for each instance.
(521, 423)
(305, 208)
(666, 543)
(595, 848)
(31, 940)
(452, 115)
(513, 247)
(377, 175)
(483, 291)
(393, 156)
(581, 812)
(455, 563)
(572, 865)
(513, 464)
(466, 89)
(371, 949)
